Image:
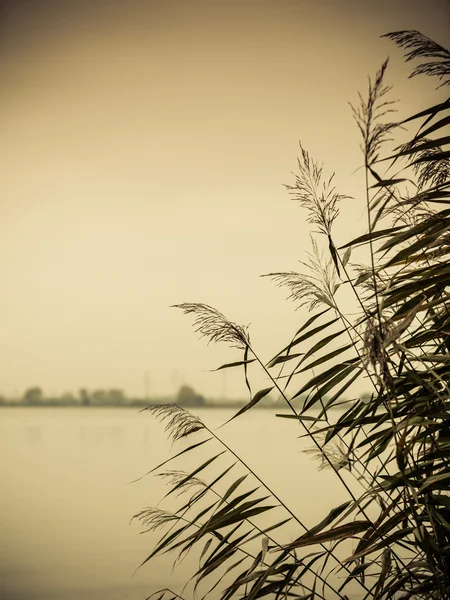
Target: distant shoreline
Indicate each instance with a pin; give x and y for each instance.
(142, 405)
(137, 404)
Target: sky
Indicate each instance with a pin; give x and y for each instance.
(144, 146)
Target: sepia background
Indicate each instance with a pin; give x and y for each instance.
(144, 146)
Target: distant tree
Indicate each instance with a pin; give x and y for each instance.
(116, 396)
(188, 397)
(99, 397)
(84, 397)
(33, 395)
(68, 398)
(113, 396)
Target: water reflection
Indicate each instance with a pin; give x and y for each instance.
(99, 435)
(65, 514)
(33, 436)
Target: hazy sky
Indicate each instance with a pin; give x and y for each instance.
(144, 144)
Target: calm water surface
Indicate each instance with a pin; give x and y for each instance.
(66, 500)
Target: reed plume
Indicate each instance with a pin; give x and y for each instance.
(212, 324)
(181, 423)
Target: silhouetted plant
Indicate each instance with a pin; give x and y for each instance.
(395, 441)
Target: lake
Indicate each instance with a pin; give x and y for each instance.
(66, 497)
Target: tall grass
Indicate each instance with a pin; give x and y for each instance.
(396, 443)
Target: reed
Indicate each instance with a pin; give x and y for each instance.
(396, 442)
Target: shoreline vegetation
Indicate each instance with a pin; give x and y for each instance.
(186, 397)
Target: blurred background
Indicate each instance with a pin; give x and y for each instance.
(145, 144)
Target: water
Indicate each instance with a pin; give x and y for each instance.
(66, 500)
